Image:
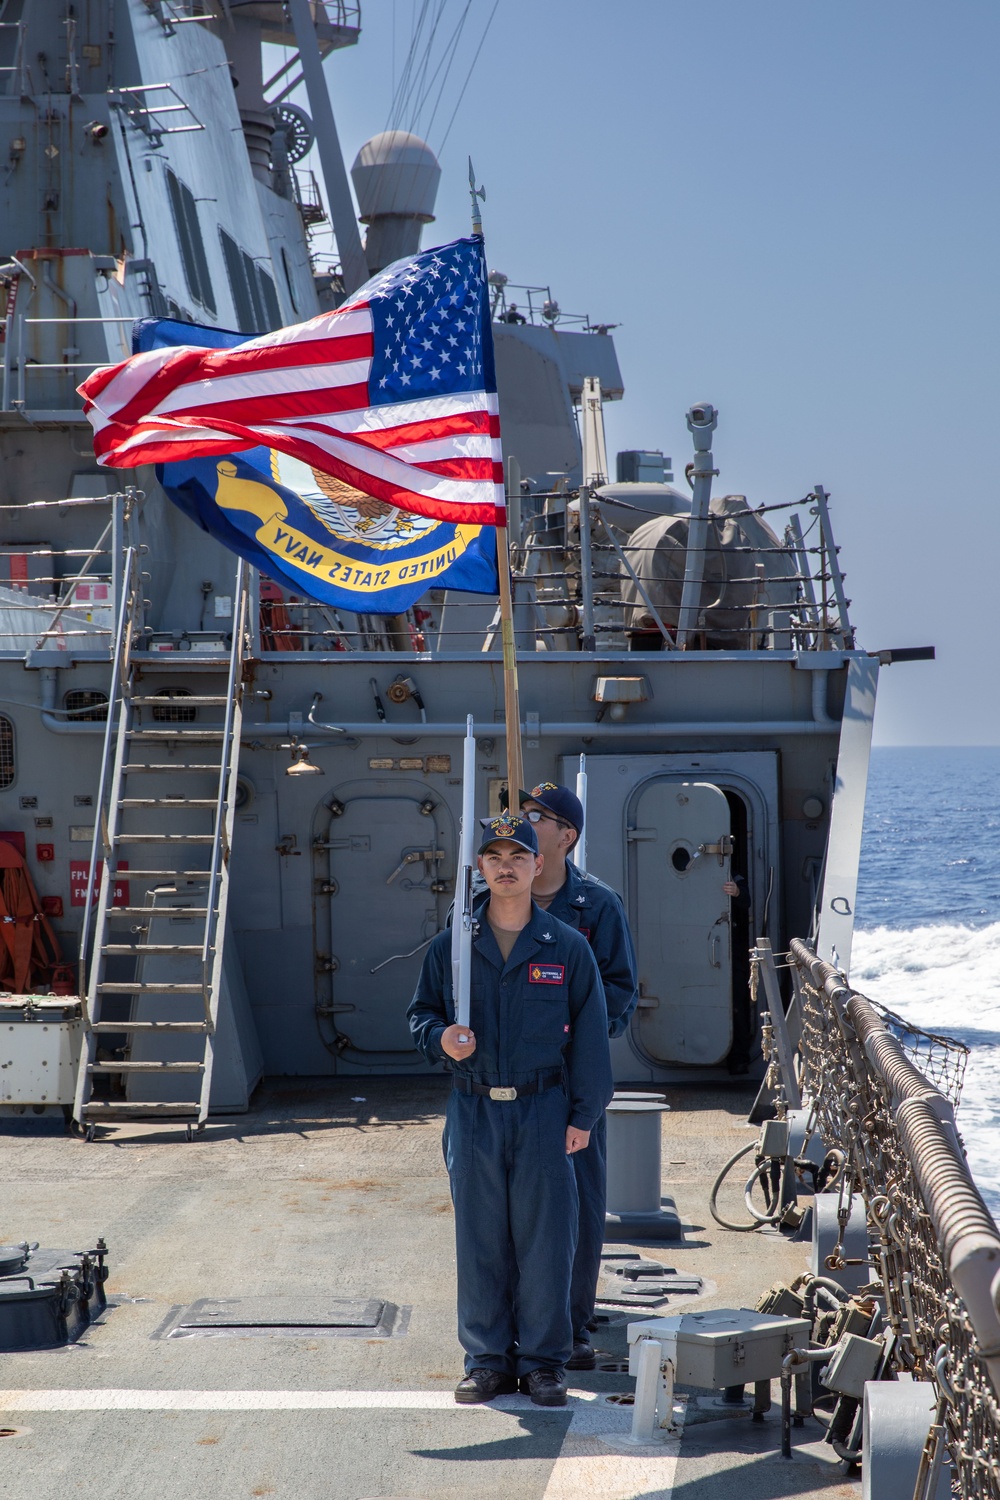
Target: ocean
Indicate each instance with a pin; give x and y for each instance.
(927, 940)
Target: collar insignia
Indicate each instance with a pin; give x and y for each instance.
(580, 900)
(547, 936)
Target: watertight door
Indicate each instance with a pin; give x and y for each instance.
(681, 844)
(385, 854)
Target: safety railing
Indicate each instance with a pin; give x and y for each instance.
(30, 378)
(779, 593)
(63, 598)
(536, 307)
(885, 1093)
(18, 82)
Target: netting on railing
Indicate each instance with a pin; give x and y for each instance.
(884, 1091)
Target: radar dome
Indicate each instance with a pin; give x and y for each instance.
(396, 173)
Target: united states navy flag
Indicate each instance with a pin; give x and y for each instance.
(315, 531)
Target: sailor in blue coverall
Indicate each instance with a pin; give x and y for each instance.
(596, 911)
(532, 1077)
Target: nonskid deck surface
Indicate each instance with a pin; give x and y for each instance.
(338, 1190)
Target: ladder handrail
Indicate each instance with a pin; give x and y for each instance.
(115, 697)
(112, 808)
(235, 665)
(225, 811)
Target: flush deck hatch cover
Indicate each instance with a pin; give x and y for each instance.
(248, 1317)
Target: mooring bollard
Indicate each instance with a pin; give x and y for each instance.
(635, 1207)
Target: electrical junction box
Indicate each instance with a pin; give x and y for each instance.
(722, 1347)
(774, 1139)
(854, 1361)
(40, 1040)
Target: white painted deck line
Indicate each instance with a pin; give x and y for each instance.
(593, 1461)
(142, 1400)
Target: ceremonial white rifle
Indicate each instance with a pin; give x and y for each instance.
(461, 924)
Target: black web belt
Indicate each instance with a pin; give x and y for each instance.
(505, 1095)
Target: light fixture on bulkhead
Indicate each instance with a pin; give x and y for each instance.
(301, 764)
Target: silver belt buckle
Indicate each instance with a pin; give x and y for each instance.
(503, 1096)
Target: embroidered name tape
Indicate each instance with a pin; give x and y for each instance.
(546, 973)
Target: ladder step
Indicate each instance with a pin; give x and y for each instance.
(146, 1067)
(105, 1111)
(151, 700)
(165, 875)
(149, 948)
(158, 769)
(165, 838)
(135, 987)
(163, 911)
(179, 732)
(179, 802)
(198, 1027)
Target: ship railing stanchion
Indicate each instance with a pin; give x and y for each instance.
(822, 511)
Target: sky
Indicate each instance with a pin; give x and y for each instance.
(791, 210)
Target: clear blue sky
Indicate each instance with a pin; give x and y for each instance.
(791, 208)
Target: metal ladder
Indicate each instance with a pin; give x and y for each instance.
(185, 874)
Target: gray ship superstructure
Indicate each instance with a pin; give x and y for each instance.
(228, 832)
(273, 805)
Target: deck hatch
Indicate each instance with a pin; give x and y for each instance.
(285, 1317)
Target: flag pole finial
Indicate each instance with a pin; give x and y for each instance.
(476, 193)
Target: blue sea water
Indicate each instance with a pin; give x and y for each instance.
(927, 942)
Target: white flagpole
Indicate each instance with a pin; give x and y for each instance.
(461, 922)
(579, 855)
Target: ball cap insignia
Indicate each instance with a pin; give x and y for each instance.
(507, 826)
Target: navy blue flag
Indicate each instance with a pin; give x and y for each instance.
(310, 531)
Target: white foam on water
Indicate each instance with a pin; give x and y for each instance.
(945, 978)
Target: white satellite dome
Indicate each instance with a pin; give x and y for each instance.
(396, 173)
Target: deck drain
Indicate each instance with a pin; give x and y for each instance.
(614, 1366)
(285, 1317)
(621, 1398)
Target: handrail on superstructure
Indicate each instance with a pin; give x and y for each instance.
(74, 582)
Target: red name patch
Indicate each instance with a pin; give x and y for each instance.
(546, 973)
(584, 932)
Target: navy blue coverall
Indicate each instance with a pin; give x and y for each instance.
(540, 1016)
(596, 911)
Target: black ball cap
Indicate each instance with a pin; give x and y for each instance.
(516, 830)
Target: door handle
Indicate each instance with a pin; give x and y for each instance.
(415, 855)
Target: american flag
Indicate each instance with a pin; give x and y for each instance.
(394, 393)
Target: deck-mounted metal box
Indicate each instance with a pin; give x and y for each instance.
(722, 1347)
(40, 1038)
